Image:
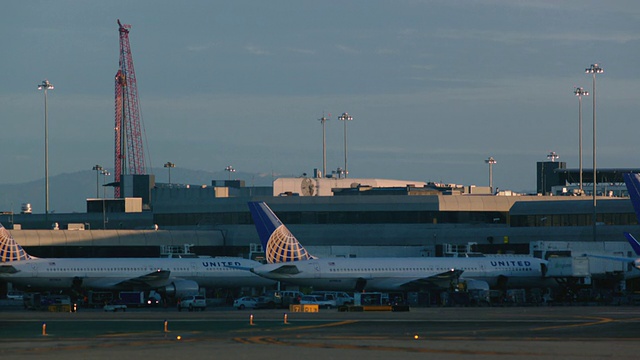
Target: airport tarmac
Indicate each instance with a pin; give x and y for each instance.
(567, 332)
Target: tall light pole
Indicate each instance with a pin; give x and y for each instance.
(580, 92)
(46, 85)
(594, 69)
(169, 165)
(345, 117)
(104, 173)
(230, 169)
(324, 146)
(491, 161)
(97, 169)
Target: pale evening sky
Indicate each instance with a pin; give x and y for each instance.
(434, 87)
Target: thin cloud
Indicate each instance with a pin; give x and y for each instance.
(199, 48)
(385, 51)
(302, 51)
(255, 50)
(347, 50)
(507, 37)
(423, 67)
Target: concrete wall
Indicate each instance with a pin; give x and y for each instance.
(321, 235)
(116, 237)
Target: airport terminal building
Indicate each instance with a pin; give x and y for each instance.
(340, 217)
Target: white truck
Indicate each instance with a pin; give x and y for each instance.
(339, 297)
(317, 300)
(193, 302)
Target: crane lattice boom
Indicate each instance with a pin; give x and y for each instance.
(129, 155)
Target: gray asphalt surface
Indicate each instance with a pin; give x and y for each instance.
(581, 332)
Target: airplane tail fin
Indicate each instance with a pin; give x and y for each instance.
(634, 243)
(10, 251)
(278, 242)
(633, 188)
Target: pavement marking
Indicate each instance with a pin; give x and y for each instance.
(302, 327)
(261, 340)
(595, 321)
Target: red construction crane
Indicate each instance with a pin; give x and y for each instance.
(129, 157)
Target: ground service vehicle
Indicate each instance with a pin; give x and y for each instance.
(371, 298)
(245, 302)
(317, 300)
(114, 307)
(193, 302)
(131, 298)
(32, 301)
(153, 299)
(264, 302)
(96, 299)
(340, 297)
(290, 297)
(15, 295)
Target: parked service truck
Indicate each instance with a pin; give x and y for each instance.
(132, 298)
(96, 299)
(371, 298)
(339, 297)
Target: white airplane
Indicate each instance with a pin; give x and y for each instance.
(289, 261)
(630, 260)
(632, 181)
(174, 277)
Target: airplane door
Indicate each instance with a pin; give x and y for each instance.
(34, 268)
(316, 269)
(194, 269)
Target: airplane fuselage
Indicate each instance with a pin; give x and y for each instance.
(123, 273)
(387, 274)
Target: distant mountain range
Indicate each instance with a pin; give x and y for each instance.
(68, 192)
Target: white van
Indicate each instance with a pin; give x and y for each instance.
(290, 297)
(340, 297)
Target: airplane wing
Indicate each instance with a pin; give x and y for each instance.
(633, 242)
(285, 270)
(633, 261)
(154, 279)
(8, 269)
(614, 258)
(247, 268)
(440, 280)
(636, 248)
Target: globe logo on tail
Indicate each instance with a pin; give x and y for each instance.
(284, 247)
(9, 248)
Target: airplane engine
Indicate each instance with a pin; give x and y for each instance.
(477, 285)
(180, 288)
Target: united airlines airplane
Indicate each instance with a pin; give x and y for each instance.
(631, 260)
(290, 262)
(174, 277)
(632, 181)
